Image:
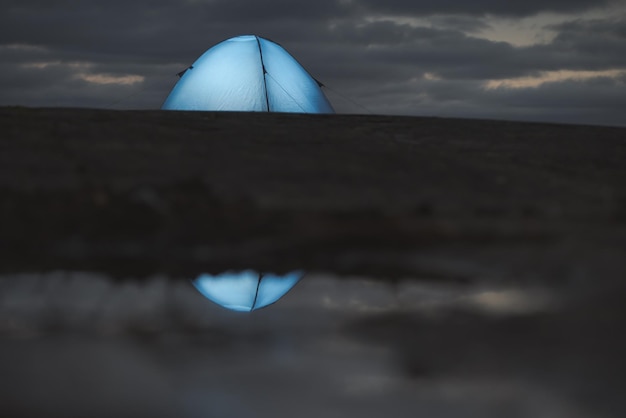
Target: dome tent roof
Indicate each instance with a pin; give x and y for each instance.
(247, 73)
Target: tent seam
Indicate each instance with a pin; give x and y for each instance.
(256, 294)
(267, 100)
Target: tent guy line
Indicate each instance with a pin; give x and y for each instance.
(286, 92)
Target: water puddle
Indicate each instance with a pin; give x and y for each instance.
(83, 344)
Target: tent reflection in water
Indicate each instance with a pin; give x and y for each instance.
(247, 290)
(250, 74)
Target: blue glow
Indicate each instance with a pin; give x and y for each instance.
(230, 77)
(246, 290)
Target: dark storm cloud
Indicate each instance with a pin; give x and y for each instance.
(71, 53)
(447, 52)
(604, 39)
(157, 26)
(482, 7)
(86, 22)
(453, 54)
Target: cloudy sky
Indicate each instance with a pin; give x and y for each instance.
(547, 60)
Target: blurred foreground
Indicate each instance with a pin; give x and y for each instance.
(454, 267)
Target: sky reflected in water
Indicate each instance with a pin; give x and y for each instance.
(79, 344)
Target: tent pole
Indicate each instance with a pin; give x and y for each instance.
(256, 294)
(267, 100)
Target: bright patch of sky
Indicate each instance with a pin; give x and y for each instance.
(516, 31)
(536, 29)
(124, 80)
(551, 76)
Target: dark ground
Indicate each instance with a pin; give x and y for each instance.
(456, 267)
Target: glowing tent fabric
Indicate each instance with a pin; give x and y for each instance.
(247, 73)
(247, 290)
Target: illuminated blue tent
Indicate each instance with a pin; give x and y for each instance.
(247, 290)
(247, 73)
